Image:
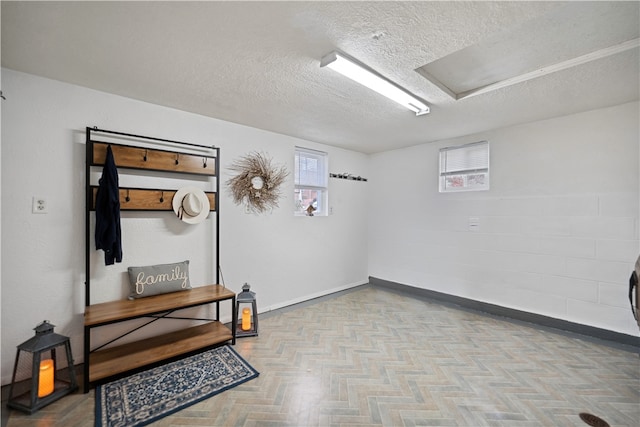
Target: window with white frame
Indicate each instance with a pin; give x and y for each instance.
(465, 167)
(311, 182)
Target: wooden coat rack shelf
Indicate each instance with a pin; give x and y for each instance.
(146, 199)
(106, 360)
(131, 157)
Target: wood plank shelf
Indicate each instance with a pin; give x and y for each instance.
(117, 311)
(111, 361)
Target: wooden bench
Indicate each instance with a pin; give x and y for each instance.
(110, 361)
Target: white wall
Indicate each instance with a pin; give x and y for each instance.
(286, 259)
(0, 223)
(558, 231)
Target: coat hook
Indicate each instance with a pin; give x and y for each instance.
(145, 155)
(126, 199)
(177, 158)
(2, 96)
(204, 162)
(162, 197)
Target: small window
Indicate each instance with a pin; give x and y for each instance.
(465, 167)
(311, 181)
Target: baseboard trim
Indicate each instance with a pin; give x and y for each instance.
(312, 297)
(619, 340)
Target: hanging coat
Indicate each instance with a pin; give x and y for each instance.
(108, 232)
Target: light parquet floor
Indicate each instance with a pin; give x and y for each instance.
(371, 357)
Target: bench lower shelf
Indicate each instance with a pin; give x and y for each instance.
(116, 360)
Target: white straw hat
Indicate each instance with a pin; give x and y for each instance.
(191, 205)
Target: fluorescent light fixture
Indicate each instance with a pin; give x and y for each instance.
(362, 74)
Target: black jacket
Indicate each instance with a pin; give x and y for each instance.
(108, 232)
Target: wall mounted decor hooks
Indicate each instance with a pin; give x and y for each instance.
(347, 176)
(2, 95)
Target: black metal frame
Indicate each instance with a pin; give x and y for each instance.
(88, 208)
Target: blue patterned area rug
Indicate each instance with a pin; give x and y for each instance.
(147, 396)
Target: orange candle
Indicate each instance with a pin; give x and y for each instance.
(246, 319)
(45, 383)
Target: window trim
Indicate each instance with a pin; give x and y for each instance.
(443, 172)
(323, 189)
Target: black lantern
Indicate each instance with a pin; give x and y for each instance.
(43, 371)
(247, 313)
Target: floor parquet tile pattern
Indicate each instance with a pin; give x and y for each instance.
(371, 357)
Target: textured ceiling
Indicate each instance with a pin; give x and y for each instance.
(258, 63)
(508, 54)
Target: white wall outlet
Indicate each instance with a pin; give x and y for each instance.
(39, 205)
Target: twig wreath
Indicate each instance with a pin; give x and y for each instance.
(257, 182)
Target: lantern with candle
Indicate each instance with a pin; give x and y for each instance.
(247, 310)
(43, 371)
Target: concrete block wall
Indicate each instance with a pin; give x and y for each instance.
(557, 232)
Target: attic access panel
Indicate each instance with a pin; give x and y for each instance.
(569, 35)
